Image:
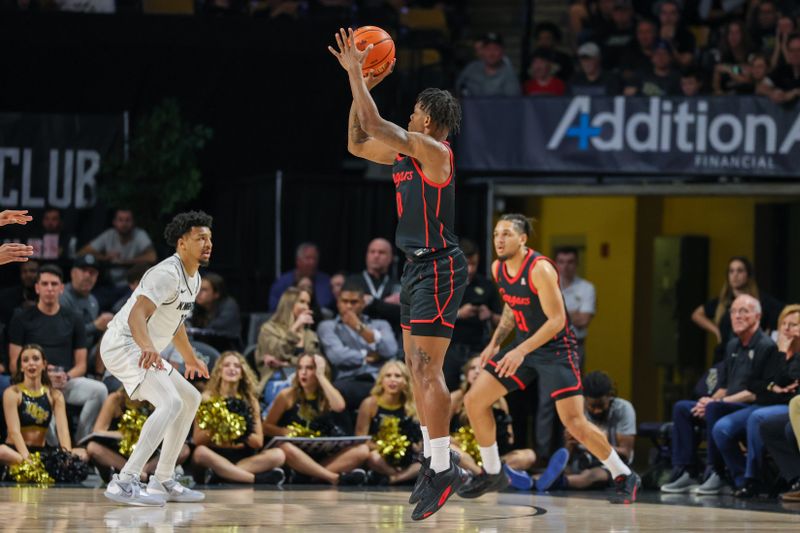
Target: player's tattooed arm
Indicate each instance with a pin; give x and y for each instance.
(506, 325)
(355, 134)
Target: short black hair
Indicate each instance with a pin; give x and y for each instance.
(468, 247)
(521, 223)
(183, 224)
(136, 272)
(55, 270)
(566, 250)
(547, 27)
(597, 384)
(350, 285)
(443, 108)
(692, 72)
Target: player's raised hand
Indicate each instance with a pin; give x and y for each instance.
(14, 252)
(489, 352)
(372, 79)
(10, 216)
(348, 54)
(195, 369)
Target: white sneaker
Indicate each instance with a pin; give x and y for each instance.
(172, 491)
(131, 493)
(683, 484)
(712, 486)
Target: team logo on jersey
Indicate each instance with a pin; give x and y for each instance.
(399, 177)
(185, 306)
(516, 300)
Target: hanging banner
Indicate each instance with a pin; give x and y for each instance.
(737, 135)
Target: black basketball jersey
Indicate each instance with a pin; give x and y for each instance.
(523, 299)
(425, 209)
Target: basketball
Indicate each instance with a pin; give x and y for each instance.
(382, 53)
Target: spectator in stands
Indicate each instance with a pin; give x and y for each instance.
(215, 317)
(590, 19)
(286, 335)
(305, 409)
(762, 19)
(242, 460)
(758, 81)
(337, 282)
(592, 79)
(783, 444)
(771, 396)
(133, 277)
(381, 290)
(30, 407)
(53, 244)
(661, 79)
(491, 74)
(673, 31)
(356, 346)
(787, 77)
(122, 245)
(579, 296)
(616, 417)
(736, 376)
(391, 401)
(543, 82)
(319, 313)
(638, 56)
(691, 82)
(78, 298)
(547, 36)
(786, 27)
(22, 295)
(731, 73)
(479, 313)
(620, 35)
(63, 336)
(306, 264)
(714, 316)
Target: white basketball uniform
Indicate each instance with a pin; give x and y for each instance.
(173, 291)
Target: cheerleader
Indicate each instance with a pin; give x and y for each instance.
(389, 416)
(29, 405)
(516, 461)
(227, 429)
(303, 410)
(117, 430)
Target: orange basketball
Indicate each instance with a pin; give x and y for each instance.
(382, 53)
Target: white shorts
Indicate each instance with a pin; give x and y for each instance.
(121, 354)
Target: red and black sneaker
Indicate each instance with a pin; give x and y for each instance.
(437, 489)
(627, 488)
(426, 463)
(479, 485)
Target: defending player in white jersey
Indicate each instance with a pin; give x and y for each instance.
(151, 319)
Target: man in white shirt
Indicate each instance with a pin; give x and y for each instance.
(151, 319)
(579, 296)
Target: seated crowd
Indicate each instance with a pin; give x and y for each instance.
(328, 363)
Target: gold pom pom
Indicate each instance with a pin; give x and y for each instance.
(465, 438)
(299, 430)
(392, 445)
(224, 426)
(130, 425)
(31, 471)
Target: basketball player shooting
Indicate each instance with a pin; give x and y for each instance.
(435, 273)
(152, 318)
(545, 346)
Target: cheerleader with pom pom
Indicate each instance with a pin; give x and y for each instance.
(115, 434)
(29, 405)
(517, 461)
(227, 428)
(389, 416)
(303, 410)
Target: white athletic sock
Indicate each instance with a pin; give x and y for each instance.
(426, 442)
(491, 458)
(616, 465)
(440, 454)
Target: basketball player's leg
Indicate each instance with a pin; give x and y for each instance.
(175, 436)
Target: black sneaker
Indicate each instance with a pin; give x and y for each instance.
(437, 489)
(627, 488)
(276, 476)
(426, 463)
(376, 479)
(479, 485)
(353, 478)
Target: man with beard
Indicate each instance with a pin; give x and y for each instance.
(616, 417)
(151, 319)
(381, 290)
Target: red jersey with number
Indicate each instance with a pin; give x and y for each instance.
(520, 294)
(426, 210)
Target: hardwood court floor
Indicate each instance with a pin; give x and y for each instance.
(322, 509)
